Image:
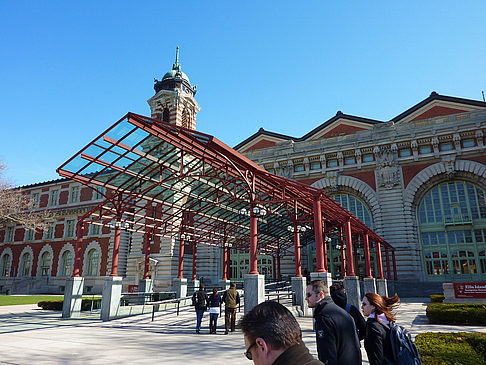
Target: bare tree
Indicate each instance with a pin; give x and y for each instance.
(17, 206)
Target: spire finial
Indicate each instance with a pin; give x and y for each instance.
(176, 65)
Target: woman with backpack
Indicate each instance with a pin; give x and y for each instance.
(377, 341)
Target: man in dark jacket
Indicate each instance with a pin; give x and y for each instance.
(231, 299)
(339, 297)
(273, 337)
(200, 302)
(337, 340)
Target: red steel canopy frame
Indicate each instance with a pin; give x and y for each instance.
(167, 180)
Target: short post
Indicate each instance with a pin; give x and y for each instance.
(381, 287)
(299, 284)
(351, 283)
(224, 284)
(369, 285)
(326, 277)
(179, 285)
(110, 303)
(145, 286)
(254, 290)
(73, 296)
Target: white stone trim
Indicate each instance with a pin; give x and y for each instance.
(66, 247)
(29, 250)
(7, 251)
(45, 248)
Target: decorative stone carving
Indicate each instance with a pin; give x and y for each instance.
(284, 170)
(479, 138)
(357, 154)
(340, 158)
(414, 147)
(457, 142)
(435, 144)
(449, 162)
(387, 167)
(333, 178)
(322, 158)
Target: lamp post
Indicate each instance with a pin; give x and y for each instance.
(296, 230)
(253, 213)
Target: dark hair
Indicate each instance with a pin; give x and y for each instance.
(272, 322)
(319, 286)
(385, 305)
(202, 287)
(215, 290)
(232, 285)
(337, 286)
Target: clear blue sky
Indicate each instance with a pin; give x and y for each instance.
(68, 69)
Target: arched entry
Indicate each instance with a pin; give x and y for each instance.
(452, 228)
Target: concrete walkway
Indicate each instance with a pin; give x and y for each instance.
(32, 336)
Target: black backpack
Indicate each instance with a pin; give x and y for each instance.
(404, 350)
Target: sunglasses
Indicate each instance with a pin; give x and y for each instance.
(248, 353)
(308, 295)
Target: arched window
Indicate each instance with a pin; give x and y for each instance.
(6, 262)
(93, 261)
(66, 263)
(45, 263)
(355, 206)
(25, 265)
(451, 219)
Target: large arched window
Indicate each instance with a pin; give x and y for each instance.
(355, 206)
(93, 261)
(25, 264)
(45, 263)
(66, 263)
(6, 263)
(452, 224)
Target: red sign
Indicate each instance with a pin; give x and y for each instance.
(133, 288)
(470, 290)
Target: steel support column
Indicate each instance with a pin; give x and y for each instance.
(378, 260)
(146, 243)
(387, 259)
(180, 274)
(194, 259)
(77, 249)
(394, 266)
(367, 256)
(349, 248)
(253, 242)
(228, 263)
(278, 265)
(274, 267)
(225, 263)
(343, 256)
(116, 249)
(298, 269)
(320, 245)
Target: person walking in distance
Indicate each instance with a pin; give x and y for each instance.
(231, 299)
(337, 340)
(273, 337)
(214, 303)
(200, 302)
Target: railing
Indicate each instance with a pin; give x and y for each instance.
(143, 297)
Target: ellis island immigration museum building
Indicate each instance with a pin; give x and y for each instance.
(417, 181)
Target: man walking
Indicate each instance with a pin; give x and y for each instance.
(337, 340)
(231, 299)
(273, 337)
(200, 302)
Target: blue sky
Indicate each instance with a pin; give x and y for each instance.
(70, 69)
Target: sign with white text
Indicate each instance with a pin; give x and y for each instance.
(470, 290)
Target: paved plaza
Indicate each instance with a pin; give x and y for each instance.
(32, 336)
